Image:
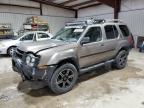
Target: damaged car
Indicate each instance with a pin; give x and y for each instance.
(77, 48)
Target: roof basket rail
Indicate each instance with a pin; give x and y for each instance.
(95, 21)
(76, 23)
(115, 21)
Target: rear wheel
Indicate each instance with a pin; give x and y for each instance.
(11, 51)
(121, 59)
(64, 78)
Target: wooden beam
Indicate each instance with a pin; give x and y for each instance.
(93, 5)
(76, 13)
(53, 4)
(4, 4)
(83, 3)
(110, 3)
(67, 2)
(41, 10)
(117, 8)
(116, 4)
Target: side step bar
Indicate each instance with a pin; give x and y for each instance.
(84, 70)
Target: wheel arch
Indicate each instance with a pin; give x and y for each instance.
(123, 48)
(120, 49)
(10, 47)
(69, 60)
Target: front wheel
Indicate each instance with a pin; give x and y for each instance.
(121, 60)
(64, 78)
(11, 51)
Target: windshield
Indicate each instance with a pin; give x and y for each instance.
(70, 34)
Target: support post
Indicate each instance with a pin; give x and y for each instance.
(41, 10)
(76, 13)
(117, 8)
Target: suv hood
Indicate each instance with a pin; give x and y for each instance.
(40, 45)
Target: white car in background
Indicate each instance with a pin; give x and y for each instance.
(8, 46)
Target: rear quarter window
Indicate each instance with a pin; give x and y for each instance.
(125, 31)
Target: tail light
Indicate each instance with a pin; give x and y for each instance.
(131, 40)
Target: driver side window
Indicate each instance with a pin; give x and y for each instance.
(27, 37)
(94, 34)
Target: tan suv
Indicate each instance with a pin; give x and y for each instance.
(77, 48)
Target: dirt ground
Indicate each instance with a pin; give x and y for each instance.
(101, 88)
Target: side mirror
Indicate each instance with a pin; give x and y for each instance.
(85, 40)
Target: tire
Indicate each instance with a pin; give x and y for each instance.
(63, 79)
(121, 60)
(10, 50)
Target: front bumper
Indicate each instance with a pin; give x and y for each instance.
(32, 73)
(3, 50)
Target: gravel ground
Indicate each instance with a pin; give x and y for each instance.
(99, 89)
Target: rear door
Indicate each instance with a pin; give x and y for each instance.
(42, 36)
(111, 40)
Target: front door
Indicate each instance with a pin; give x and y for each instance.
(91, 52)
(28, 38)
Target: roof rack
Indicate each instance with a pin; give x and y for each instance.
(92, 21)
(95, 21)
(76, 23)
(115, 21)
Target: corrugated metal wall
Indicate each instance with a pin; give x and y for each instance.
(56, 17)
(16, 20)
(132, 13)
(135, 20)
(101, 11)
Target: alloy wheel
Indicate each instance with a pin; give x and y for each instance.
(65, 78)
(123, 59)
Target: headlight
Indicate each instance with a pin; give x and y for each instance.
(30, 60)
